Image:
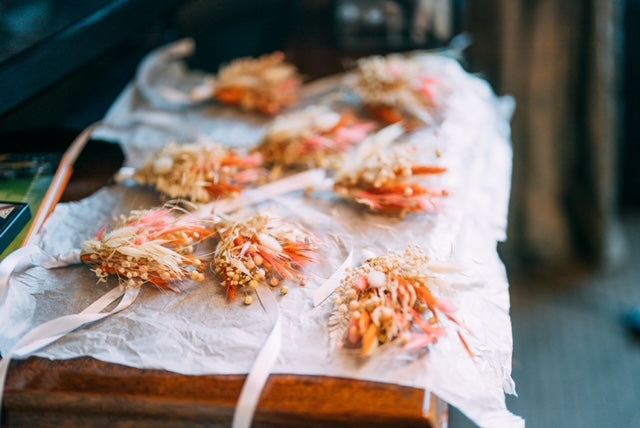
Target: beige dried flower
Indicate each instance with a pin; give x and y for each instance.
(397, 88)
(148, 246)
(201, 172)
(387, 299)
(313, 137)
(387, 180)
(262, 250)
(267, 84)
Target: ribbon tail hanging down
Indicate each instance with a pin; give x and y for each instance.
(259, 374)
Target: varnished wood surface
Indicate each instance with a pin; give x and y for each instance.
(90, 393)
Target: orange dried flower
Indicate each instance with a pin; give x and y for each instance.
(148, 246)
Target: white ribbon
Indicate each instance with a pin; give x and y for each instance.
(259, 374)
(309, 179)
(31, 255)
(51, 331)
(257, 377)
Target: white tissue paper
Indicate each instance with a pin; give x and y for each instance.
(198, 331)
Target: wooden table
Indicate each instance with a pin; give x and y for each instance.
(87, 392)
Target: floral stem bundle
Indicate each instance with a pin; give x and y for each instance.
(388, 179)
(267, 84)
(397, 88)
(153, 246)
(201, 172)
(313, 137)
(262, 250)
(390, 299)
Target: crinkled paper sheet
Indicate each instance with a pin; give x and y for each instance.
(199, 332)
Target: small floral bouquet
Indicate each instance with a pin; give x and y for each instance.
(397, 88)
(262, 250)
(390, 299)
(386, 178)
(313, 137)
(267, 84)
(149, 246)
(201, 172)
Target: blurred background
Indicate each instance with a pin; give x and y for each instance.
(572, 254)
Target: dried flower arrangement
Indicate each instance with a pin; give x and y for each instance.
(153, 246)
(397, 88)
(201, 172)
(385, 178)
(267, 84)
(313, 137)
(390, 299)
(262, 250)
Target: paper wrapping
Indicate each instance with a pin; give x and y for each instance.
(198, 331)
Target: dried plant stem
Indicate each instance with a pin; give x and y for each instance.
(262, 250)
(389, 298)
(148, 246)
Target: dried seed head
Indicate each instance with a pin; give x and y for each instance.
(262, 250)
(387, 294)
(201, 172)
(146, 241)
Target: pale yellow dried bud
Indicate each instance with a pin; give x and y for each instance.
(248, 300)
(197, 276)
(370, 304)
(284, 290)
